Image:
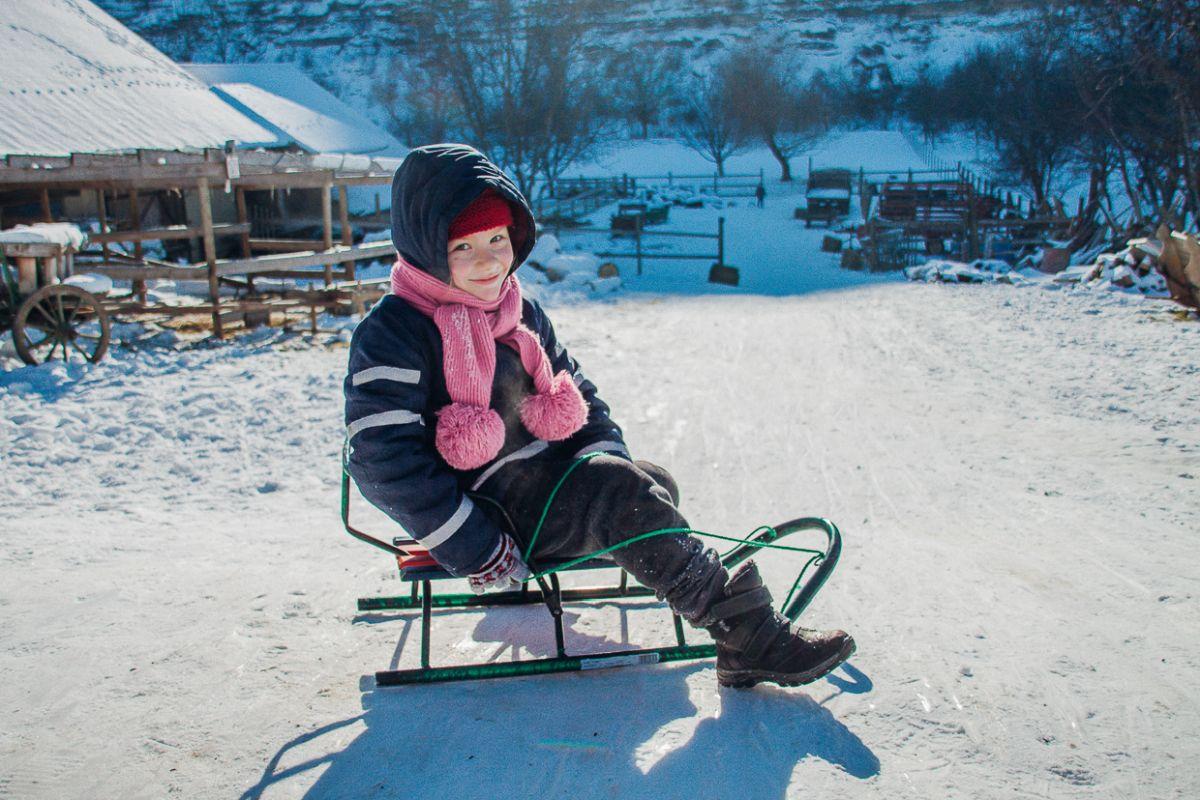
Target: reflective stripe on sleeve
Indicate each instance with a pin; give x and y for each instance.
(385, 374)
(450, 527)
(383, 418)
(604, 447)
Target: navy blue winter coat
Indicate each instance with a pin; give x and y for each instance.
(394, 384)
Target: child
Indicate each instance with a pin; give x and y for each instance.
(458, 389)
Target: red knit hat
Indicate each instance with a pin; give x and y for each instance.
(485, 212)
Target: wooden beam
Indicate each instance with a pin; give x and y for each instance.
(383, 179)
(134, 272)
(287, 245)
(286, 261)
(210, 254)
(226, 308)
(111, 176)
(46, 215)
(103, 212)
(171, 232)
(1059, 222)
(344, 215)
(243, 219)
(135, 215)
(327, 225)
(31, 249)
(309, 179)
(347, 232)
(297, 274)
(19, 161)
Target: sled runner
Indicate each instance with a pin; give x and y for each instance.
(419, 568)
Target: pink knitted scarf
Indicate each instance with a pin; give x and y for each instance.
(469, 432)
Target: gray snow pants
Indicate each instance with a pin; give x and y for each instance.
(607, 500)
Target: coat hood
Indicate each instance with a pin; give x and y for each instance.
(431, 187)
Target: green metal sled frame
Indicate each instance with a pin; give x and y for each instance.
(419, 568)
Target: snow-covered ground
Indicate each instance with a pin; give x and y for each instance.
(1015, 471)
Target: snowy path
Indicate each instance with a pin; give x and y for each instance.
(1020, 567)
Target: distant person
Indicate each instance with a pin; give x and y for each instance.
(760, 194)
(460, 401)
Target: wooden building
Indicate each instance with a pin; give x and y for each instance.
(99, 128)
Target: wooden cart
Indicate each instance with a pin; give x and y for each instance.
(634, 216)
(827, 196)
(49, 319)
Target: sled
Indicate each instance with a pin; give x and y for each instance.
(419, 568)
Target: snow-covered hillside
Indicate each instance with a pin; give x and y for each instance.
(348, 46)
(1014, 470)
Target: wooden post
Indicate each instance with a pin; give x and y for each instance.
(102, 212)
(135, 218)
(327, 225)
(210, 254)
(46, 215)
(135, 221)
(48, 270)
(972, 229)
(347, 233)
(637, 232)
(344, 215)
(720, 241)
(242, 216)
(27, 274)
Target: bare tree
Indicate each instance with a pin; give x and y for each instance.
(707, 123)
(1021, 96)
(1141, 85)
(642, 79)
(568, 95)
(769, 104)
(420, 104)
(520, 80)
(923, 103)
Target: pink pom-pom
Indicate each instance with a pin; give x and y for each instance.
(468, 436)
(556, 414)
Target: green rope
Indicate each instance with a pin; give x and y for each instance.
(554, 493)
(815, 556)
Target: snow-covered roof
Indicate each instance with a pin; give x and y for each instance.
(828, 194)
(284, 99)
(73, 79)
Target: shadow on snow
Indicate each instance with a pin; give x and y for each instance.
(625, 732)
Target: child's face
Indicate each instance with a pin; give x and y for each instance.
(480, 262)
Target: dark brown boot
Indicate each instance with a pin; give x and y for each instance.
(756, 644)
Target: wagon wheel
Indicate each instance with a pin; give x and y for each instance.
(63, 317)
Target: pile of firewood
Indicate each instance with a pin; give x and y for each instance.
(1166, 265)
(1135, 267)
